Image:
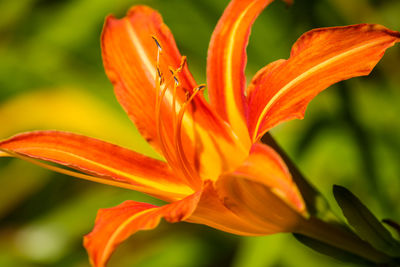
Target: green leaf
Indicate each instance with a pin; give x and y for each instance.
(331, 251)
(367, 226)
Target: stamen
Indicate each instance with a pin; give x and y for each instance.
(195, 179)
(173, 75)
(177, 83)
(160, 135)
(183, 62)
(161, 87)
(174, 102)
(160, 92)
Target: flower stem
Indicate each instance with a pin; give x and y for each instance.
(341, 238)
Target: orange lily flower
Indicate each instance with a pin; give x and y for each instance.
(215, 172)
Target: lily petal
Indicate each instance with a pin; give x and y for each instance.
(114, 225)
(227, 60)
(319, 58)
(257, 203)
(211, 211)
(264, 165)
(101, 159)
(130, 59)
(262, 191)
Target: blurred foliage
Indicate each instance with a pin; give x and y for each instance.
(51, 77)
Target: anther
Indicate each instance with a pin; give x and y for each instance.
(187, 96)
(159, 73)
(200, 87)
(176, 80)
(183, 62)
(157, 42)
(173, 75)
(160, 77)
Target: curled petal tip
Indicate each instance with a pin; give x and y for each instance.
(108, 20)
(114, 225)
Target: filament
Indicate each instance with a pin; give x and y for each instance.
(161, 88)
(185, 164)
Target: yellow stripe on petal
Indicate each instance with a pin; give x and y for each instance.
(182, 190)
(235, 117)
(135, 41)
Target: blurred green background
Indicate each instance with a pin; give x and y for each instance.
(51, 77)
